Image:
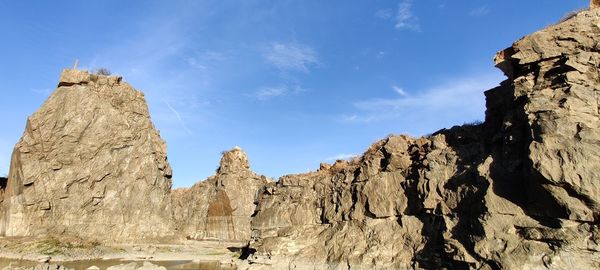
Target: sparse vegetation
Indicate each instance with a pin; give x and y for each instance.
(51, 246)
(571, 14)
(54, 246)
(102, 71)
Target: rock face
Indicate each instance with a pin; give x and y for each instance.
(594, 4)
(91, 164)
(220, 207)
(519, 191)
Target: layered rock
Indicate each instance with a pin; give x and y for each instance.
(220, 207)
(519, 191)
(91, 164)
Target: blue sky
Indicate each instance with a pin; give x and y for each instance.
(294, 83)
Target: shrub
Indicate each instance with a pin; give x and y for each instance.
(103, 71)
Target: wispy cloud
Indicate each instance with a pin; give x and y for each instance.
(341, 157)
(405, 18)
(291, 56)
(384, 14)
(42, 91)
(269, 92)
(451, 101)
(399, 90)
(202, 60)
(178, 116)
(480, 11)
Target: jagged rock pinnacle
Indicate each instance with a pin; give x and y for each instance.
(234, 160)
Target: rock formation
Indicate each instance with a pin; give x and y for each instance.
(220, 207)
(594, 4)
(91, 164)
(519, 191)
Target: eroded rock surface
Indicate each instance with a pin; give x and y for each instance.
(91, 164)
(519, 191)
(44, 266)
(220, 207)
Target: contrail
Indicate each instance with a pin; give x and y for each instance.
(181, 122)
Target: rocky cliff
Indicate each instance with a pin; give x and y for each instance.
(220, 207)
(90, 163)
(519, 191)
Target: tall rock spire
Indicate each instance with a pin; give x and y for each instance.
(89, 160)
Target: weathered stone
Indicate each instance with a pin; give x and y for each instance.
(90, 164)
(519, 191)
(151, 266)
(220, 207)
(44, 266)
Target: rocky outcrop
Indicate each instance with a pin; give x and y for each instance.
(91, 164)
(519, 191)
(220, 207)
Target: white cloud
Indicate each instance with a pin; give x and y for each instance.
(449, 102)
(480, 11)
(269, 92)
(202, 60)
(399, 90)
(384, 14)
(178, 116)
(405, 18)
(192, 61)
(292, 56)
(341, 157)
(42, 91)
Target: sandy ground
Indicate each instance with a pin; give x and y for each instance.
(65, 250)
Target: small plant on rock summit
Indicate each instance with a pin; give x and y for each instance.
(103, 71)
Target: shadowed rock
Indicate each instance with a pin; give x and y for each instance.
(220, 207)
(519, 191)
